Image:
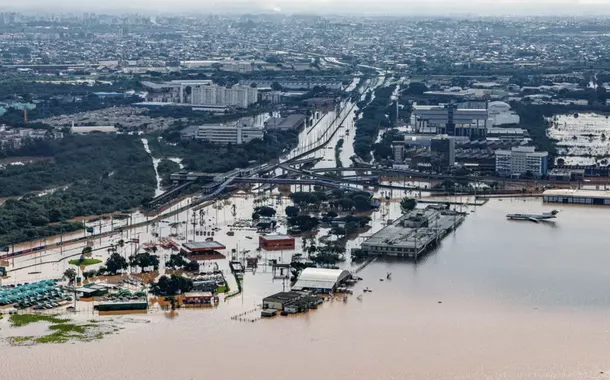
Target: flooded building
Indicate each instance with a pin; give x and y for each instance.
(522, 160)
(290, 302)
(275, 242)
(586, 197)
(321, 280)
(414, 233)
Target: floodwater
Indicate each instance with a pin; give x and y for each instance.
(497, 300)
(581, 139)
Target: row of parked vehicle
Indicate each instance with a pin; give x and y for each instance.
(39, 295)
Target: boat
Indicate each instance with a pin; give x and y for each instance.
(536, 218)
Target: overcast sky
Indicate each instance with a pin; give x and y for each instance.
(377, 7)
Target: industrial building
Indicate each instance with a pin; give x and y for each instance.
(275, 242)
(291, 122)
(228, 133)
(501, 114)
(521, 160)
(321, 280)
(413, 233)
(442, 150)
(290, 303)
(586, 197)
(450, 120)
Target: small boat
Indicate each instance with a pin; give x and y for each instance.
(381, 279)
(249, 237)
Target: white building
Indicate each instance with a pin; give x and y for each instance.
(449, 120)
(521, 160)
(501, 114)
(320, 279)
(229, 133)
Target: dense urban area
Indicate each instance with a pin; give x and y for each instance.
(139, 154)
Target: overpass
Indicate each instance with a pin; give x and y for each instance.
(299, 181)
(356, 182)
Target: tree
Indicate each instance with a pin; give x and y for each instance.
(407, 204)
(70, 275)
(339, 231)
(176, 261)
(346, 204)
(144, 260)
(292, 211)
(362, 203)
(87, 251)
(192, 266)
(265, 211)
(169, 286)
(116, 263)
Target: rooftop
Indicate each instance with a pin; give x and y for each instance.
(578, 193)
(203, 245)
(276, 237)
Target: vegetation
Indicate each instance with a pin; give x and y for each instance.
(171, 286)
(70, 274)
(165, 169)
(101, 173)
(116, 263)
(215, 158)
(407, 204)
(265, 211)
(85, 262)
(144, 260)
(303, 223)
(62, 331)
(19, 320)
(292, 211)
(374, 116)
(176, 261)
(338, 147)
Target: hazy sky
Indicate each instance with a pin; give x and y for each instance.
(390, 7)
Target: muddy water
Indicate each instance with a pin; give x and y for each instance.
(517, 301)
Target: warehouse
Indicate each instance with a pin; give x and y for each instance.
(321, 280)
(586, 197)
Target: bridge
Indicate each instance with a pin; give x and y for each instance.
(169, 194)
(299, 181)
(310, 173)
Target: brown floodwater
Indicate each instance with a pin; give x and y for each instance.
(497, 300)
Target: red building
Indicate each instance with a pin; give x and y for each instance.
(275, 242)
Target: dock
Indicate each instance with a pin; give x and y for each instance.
(414, 233)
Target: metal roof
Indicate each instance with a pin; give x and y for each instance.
(320, 278)
(203, 245)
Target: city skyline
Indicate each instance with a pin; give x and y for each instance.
(325, 7)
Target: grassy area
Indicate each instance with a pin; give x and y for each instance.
(61, 330)
(19, 320)
(222, 289)
(85, 262)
